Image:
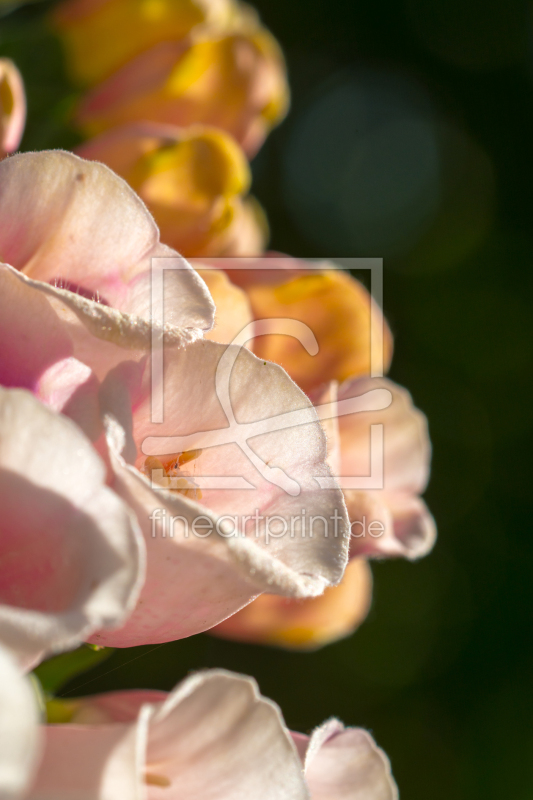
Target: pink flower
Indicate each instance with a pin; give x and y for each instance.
(404, 527)
(20, 737)
(345, 764)
(212, 549)
(193, 583)
(213, 737)
(92, 363)
(78, 246)
(71, 556)
(12, 107)
(78, 233)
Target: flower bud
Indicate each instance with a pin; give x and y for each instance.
(235, 81)
(12, 107)
(193, 182)
(304, 624)
(89, 30)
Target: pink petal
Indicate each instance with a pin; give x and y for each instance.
(389, 525)
(71, 388)
(97, 335)
(74, 223)
(329, 393)
(20, 743)
(217, 738)
(260, 393)
(32, 335)
(90, 763)
(213, 738)
(195, 580)
(407, 448)
(191, 584)
(414, 527)
(72, 560)
(346, 764)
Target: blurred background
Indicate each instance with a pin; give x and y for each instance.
(409, 138)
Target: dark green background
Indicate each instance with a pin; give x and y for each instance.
(441, 670)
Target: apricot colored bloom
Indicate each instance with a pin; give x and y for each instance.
(233, 311)
(213, 738)
(20, 739)
(348, 326)
(71, 554)
(12, 107)
(89, 29)
(234, 81)
(194, 182)
(304, 624)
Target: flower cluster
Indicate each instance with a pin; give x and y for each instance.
(80, 558)
(179, 439)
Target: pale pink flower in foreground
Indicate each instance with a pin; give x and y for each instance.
(192, 583)
(20, 736)
(198, 576)
(71, 556)
(389, 522)
(213, 738)
(77, 233)
(69, 350)
(12, 107)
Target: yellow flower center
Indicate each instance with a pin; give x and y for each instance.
(168, 473)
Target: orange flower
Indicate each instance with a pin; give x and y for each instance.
(336, 307)
(102, 35)
(193, 182)
(12, 107)
(235, 81)
(233, 310)
(304, 624)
